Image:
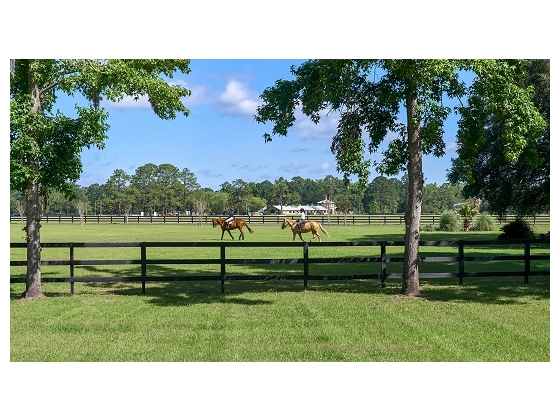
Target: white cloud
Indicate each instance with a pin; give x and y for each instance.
(238, 99)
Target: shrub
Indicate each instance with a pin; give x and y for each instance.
(468, 211)
(427, 228)
(484, 222)
(518, 229)
(449, 221)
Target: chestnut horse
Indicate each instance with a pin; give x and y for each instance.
(309, 226)
(234, 224)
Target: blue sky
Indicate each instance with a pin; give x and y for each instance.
(220, 141)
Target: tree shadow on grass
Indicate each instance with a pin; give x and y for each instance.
(491, 290)
(508, 291)
(180, 293)
(495, 290)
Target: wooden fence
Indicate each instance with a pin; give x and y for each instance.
(377, 265)
(336, 219)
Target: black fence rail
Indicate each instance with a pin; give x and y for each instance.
(377, 263)
(335, 219)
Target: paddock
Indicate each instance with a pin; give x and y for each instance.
(260, 318)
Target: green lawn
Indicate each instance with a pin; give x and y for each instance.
(486, 319)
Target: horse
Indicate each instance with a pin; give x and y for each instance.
(234, 224)
(309, 226)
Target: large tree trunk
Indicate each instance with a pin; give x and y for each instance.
(33, 287)
(410, 281)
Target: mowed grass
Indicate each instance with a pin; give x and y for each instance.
(486, 319)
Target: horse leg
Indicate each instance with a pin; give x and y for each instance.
(230, 234)
(317, 234)
(241, 234)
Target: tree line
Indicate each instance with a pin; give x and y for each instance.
(165, 189)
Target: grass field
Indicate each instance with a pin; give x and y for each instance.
(487, 319)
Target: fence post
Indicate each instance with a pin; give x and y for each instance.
(71, 267)
(383, 263)
(143, 259)
(461, 262)
(222, 266)
(305, 264)
(527, 261)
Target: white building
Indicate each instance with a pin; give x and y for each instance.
(294, 210)
(328, 205)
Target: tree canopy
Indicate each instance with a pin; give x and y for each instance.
(367, 96)
(45, 145)
(516, 183)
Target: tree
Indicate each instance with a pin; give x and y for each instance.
(82, 206)
(17, 204)
(309, 191)
(343, 204)
(45, 146)
(189, 184)
(356, 196)
(256, 203)
(436, 199)
(520, 186)
(116, 191)
(218, 202)
(240, 195)
(168, 183)
(449, 194)
(368, 95)
(56, 202)
(382, 195)
(262, 189)
(144, 182)
(94, 192)
(280, 193)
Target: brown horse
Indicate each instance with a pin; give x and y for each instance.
(309, 226)
(234, 224)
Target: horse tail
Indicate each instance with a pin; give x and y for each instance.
(323, 229)
(248, 228)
